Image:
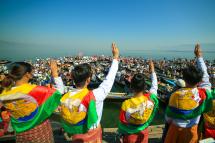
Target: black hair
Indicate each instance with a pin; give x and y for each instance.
(192, 75)
(16, 71)
(81, 73)
(138, 83)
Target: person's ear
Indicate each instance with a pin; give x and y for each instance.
(28, 75)
(88, 80)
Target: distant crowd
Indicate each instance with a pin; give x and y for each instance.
(30, 92)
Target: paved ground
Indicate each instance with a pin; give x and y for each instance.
(107, 138)
(109, 135)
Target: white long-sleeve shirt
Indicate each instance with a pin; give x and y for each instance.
(154, 86)
(101, 92)
(104, 89)
(204, 84)
(59, 84)
(205, 80)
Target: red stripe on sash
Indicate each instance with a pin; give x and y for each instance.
(122, 117)
(86, 100)
(41, 93)
(202, 94)
(209, 132)
(147, 95)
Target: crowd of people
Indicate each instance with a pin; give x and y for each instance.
(128, 66)
(31, 92)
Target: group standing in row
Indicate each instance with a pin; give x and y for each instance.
(30, 106)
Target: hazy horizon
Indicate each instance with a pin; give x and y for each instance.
(53, 28)
(31, 51)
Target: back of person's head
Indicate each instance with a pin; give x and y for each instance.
(138, 83)
(192, 75)
(81, 73)
(17, 71)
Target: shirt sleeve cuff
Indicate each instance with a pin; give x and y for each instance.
(153, 75)
(58, 79)
(200, 59)
(116, 60)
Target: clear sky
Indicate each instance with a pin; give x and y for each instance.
(89, 24)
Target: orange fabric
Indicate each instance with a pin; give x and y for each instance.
(5, 116)
(141, 137)
(5, 120)
(177, 134)
(92, 136)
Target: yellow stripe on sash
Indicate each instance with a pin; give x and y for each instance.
(80, 95)
(13, 100)
(183, 99)
(70, 106)
(139, 108)
(25, 89)
(133, 102)
(210, 116)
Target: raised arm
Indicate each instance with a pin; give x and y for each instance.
(154, 86)
(201, 64)
(58, 81)
(105, 87)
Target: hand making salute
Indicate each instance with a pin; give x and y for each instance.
(186, 105)
(29, 105)
(138, 112)
(81, 108)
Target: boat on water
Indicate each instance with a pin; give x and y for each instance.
(165, 86)
(127, 68)
(167, 72)
(3, 62)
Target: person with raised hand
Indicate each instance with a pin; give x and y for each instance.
(81, 108)
(29, 105)
(208, 125)
(138, 112)
(186, 105)
(57, 80)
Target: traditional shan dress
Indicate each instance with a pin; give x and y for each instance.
(79, 117)
(135, 116)
(183, 113)
(30, 106)
(209, 121)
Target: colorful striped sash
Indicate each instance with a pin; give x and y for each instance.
(78, 112)
(137, 113)
(30, 105)
(182, 109)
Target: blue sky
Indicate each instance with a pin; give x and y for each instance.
(87, 25)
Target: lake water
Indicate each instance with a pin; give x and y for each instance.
(169, 54)
(23, 53)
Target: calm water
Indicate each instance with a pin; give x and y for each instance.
(19, 52)
(170, 54)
